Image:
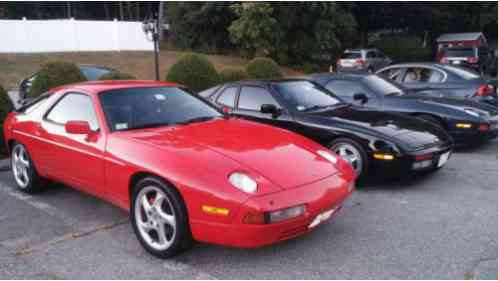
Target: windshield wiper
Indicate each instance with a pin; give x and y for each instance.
(147, 126)
(198, 119)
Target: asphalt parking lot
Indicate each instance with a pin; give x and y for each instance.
(444, 226)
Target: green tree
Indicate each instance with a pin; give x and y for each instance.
(255, 30)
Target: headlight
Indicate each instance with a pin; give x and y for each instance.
(472, 112)
(243, 182)
(327, 155)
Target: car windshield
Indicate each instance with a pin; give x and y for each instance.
(356, 55)
(460, 72)
(462, 52)
(138, 108)
(305, 95)
(382, 86)
(93, 73)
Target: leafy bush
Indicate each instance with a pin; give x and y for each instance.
(194, 71)
(405, 49)
(5, 107)
(263, 68)
(233, 74)
(116, 75)
(54, 74)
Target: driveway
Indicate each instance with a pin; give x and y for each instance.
(444, 226)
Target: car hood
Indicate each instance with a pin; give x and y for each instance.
(284, 158)
(411, 132)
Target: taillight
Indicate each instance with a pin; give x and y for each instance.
(484, 91)
(423, 157)
(483, 127)
(338, 62)
(444, 60)
(360, 61)
(472, 60)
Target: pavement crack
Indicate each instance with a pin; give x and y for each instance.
(70, 237)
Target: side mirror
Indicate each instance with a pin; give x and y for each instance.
(269, 108)
(360, 97)
(78, 128)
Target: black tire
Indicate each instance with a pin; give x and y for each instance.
(432, 119)
(34, 182)
(365, 161)
(183, 237)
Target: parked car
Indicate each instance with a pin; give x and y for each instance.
(479, 59)
(90, 71)
(376, 143)
(180, 167)
(362, 60)
(467, 121)
(439, 80)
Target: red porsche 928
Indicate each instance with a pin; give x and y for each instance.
(183, 170)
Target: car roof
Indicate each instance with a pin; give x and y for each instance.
(265, 82)
(95, 87)
(358, 76)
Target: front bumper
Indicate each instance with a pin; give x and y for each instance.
(405, 163)
(472, 137)
(321, 196)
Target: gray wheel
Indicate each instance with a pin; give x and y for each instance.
(159, 218)
(352, 153)
(23, 169)
(155, 218)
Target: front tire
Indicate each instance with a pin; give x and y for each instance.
(159, 218)
(23, 169)
(353, 153)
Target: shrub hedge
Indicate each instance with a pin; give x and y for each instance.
(263, 68)
(233, 74)
(5, 107)
(54, 74)
(194, 71)
(405, 49)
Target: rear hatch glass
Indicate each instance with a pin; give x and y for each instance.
(459, 53)
(349, 56)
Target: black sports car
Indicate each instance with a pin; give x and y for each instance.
(372, 141)
(467, 121)
(442, 80)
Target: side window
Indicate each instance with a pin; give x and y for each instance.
(345, 89)
(392, 73)
(74, 107)
(227, 97)
(370, 55)
(251, 98)
(422, 75)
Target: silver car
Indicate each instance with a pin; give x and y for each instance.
(362, 60)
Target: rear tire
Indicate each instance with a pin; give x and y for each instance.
(23, 169)
(353, 153)
(159, 218)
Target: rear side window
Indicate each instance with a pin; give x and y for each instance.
(351, 56)
(93, 73)
(371, 55)
(251, 98)
(460, 72)
(422, 75)
(209, 92)
(227, 97)
(74, 107)
(392, 73)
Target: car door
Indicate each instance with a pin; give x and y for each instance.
(250, 100)
(347, 89)
(75, 159)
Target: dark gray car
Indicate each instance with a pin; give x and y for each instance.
(440, 80)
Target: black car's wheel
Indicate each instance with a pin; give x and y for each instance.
(352, 152)
(433, 120)
(159, 218)
(23, 168)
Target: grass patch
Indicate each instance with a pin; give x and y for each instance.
(15, 67)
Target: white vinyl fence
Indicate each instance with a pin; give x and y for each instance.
(69, 35)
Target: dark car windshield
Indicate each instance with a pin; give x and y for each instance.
(305, 96)
(356, 55)
(458, 53)
(136, 108)
(93, 72)
(382, 86)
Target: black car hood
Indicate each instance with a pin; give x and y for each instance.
(410, 132)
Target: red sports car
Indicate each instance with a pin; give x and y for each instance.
(184, 170)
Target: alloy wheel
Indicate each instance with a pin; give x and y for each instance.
(20, 166)
(349, 153)
(155, 218)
